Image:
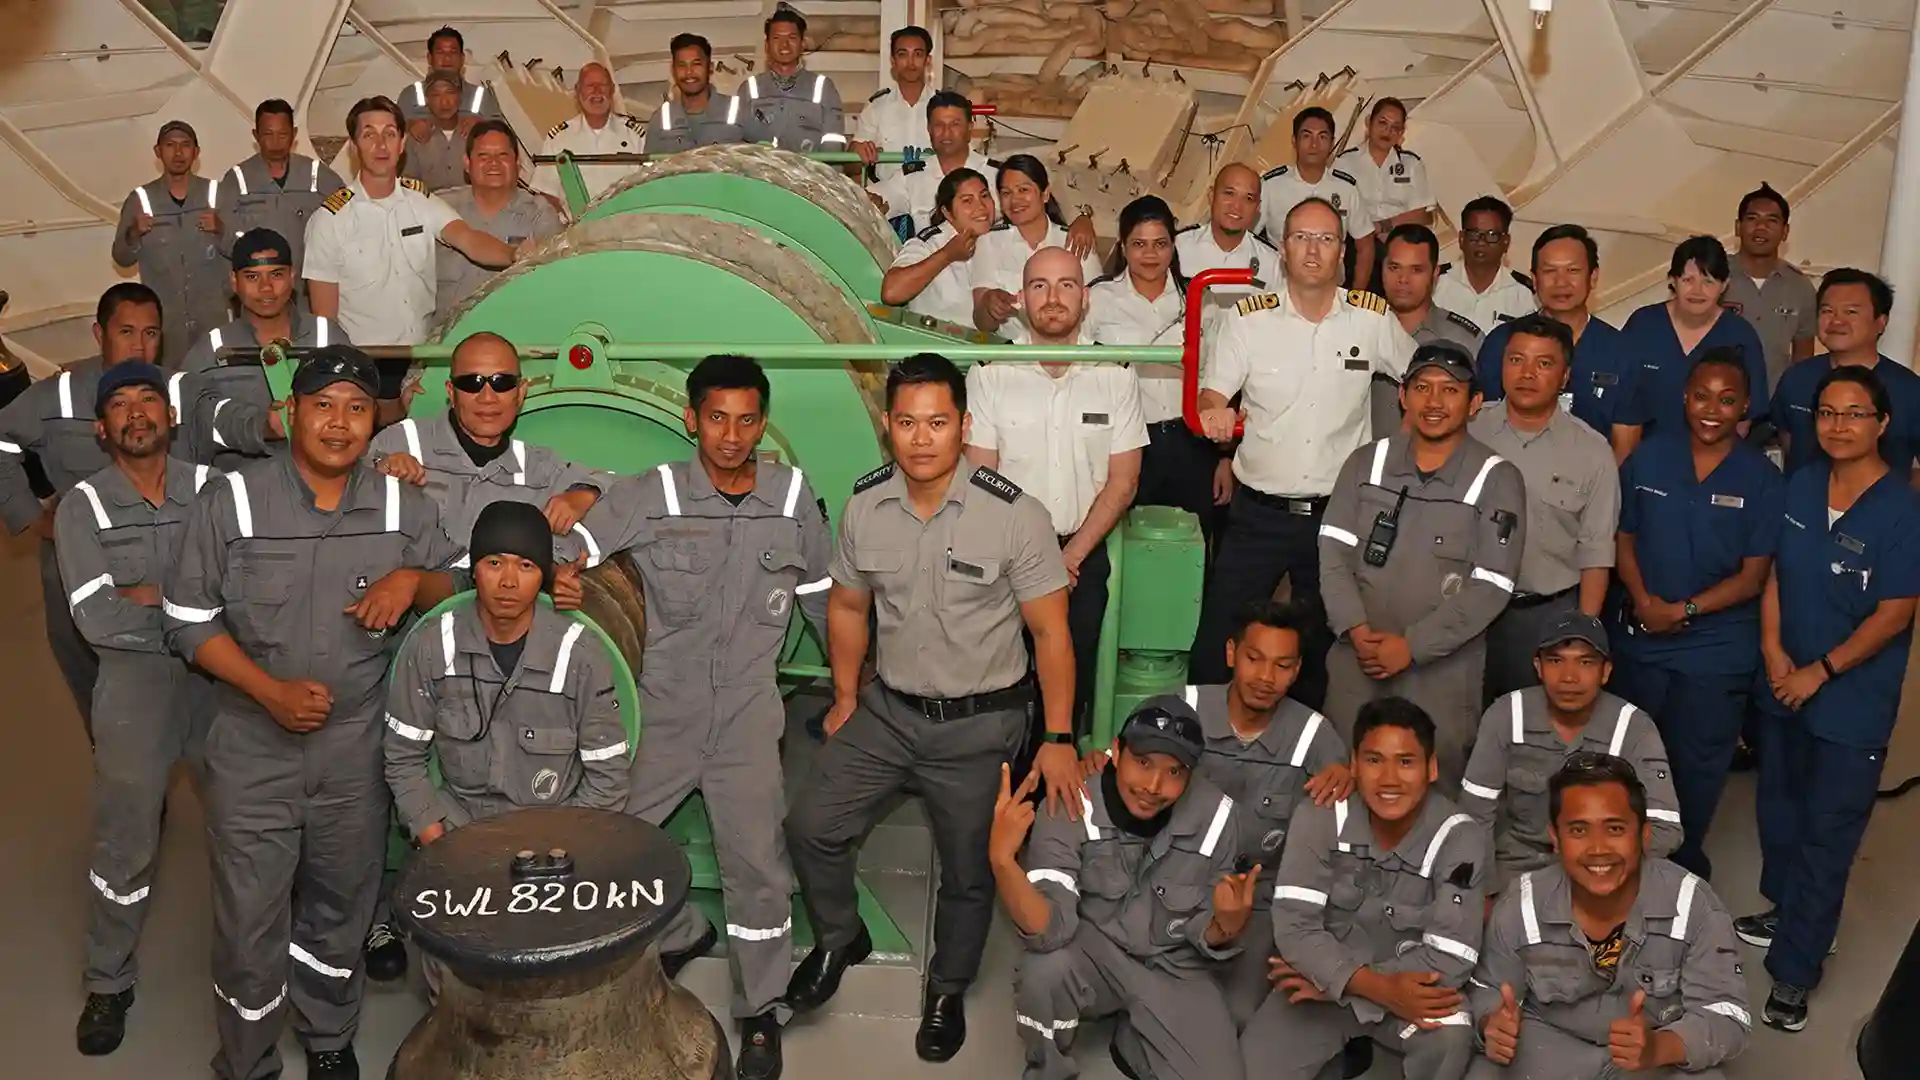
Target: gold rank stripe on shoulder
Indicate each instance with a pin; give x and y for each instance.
(558, 128)
(337, 200)
(633, 123)
(408, 181)
(1373, 302)
(1258, 302)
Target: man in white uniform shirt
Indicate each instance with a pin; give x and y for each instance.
(1480, 286)
(1070, 435)
(895, 117)
(370, 257)
(1228, 240)
(1304, 358)
(933, 275)
(913, 191)
(1312, 176)
(597, 129)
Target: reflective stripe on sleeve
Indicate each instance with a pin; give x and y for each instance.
(79, 595)
(1456, 949)
(1664, 815)
(93, 499)
(1474, 789)
(1458, 1019)
(812, 587)
(1499, 581)
(1480, 479)
(11, 448)
(1218, 825)
(408, 731)
(563, 658)
(1304, 895)
(1058, 877)
(1731, 1011)
(1334, 532)
(189, 614)
(833, 138)
(592, 545)
(1439, 839)
(618, 749)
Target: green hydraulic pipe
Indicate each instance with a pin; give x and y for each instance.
(1106, 669)
(574, 186)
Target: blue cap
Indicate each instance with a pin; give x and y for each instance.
(122, 375)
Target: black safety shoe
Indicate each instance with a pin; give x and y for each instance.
(1744, 759)
(1787, 1007)
(759, 1048)
(1757, 930)
(673, 962)
(943, 1027)
(1356, 1058)
(386, 954)
(103, 1023)
(333, 1064)
(817, 978)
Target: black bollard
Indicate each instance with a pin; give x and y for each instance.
(1889, 1045)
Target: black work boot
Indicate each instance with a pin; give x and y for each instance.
(386, 954)
(759, 1048)
(103, 1023)
(333, 1064)
(818, 976)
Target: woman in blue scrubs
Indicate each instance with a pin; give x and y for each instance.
(1836, 626)
(1665, 339)
(1699, 519)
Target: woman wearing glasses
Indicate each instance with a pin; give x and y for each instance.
(1836, 628)
(1667, 337)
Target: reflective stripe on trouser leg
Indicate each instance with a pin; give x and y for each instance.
(665, 771)
(142, 730)
(746, 802)
(1441, 1053)
(79, 665)
(1051, 992)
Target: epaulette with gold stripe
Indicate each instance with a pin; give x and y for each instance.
(1258, 302)
(634, 123)
(1373, 302)
(558, 128)
(337, 200)
(410, 182)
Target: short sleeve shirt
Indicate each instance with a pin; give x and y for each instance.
(621, 134)
(949, 295)
(1603, 390)
(1573, 495)
(1119, 315)
(1393, 186)
(1793, 408)
(1783, 308)
(1649, 336)
(911, 190)
(1509, 297)
(892, 123)
(1000, 259)
(381, 253)
(1055, 434)
(1284, 188)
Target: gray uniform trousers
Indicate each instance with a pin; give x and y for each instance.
(734, 762)
(153, 712)
(1448, 689)
(888, 746)
(79, 664)
(1178, 1023)
(1513, 639)
(1243, 979)
(1293, 1042)
(1548, 1053)
(298, 830)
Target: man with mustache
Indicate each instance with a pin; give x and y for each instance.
(1608, 962)
(1770, 292)
(597, 129)
(701, 117)
(118, 531)
(276, 188)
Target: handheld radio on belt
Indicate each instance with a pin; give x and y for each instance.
(1386, 526)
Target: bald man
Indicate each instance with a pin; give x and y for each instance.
(596, 130)
(1227, 241)
(1070, 434)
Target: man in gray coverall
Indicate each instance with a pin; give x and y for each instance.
(727, 545)
(276, 188)
(118, 530)
(294, 570)
(787, 105)
(1418, 552)
(1131, 910)
(54, 420)
(1609, 962)
(439, 161)
(169, 229)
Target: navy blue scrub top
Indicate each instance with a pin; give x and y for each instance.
(1830, 581)
(1649, 338)
(1691, 535)
(1603, 382)
(1793, 406)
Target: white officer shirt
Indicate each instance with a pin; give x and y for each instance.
(1307, 385)
(1391, 188)
(1055, 434)
(890, 122)
(1000, 258)
(1200, 250)
(949, 295)
(1510, 296)
(1119, 315)
(913, 192)
(380, 252)
(620, 135)
(1283, 188)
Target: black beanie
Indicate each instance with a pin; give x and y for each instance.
(514, 528)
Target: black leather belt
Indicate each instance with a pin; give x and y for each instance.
(941, 710)
(1168, 425)
(1302, 505)
(1522, 601)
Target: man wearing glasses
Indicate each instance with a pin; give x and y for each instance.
(1481, 287)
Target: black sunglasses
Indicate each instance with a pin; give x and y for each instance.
(471, 383)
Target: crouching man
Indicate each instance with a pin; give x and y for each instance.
(1607, 962)
(1130, 910)
(1376, 915)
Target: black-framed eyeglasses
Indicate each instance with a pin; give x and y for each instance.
(1483, 236)
(502, 382)
(1184, 728)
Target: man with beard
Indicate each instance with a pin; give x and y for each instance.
(1525, 738)
(52, 419)
(1768, 290)
(1481, 287)
(293, 571)
(1408, 256)
(274, 189)
(933, 272)
(170, 229)
(438, 162)
(1131, 910)
(702, 117)
(494, 203)
(727, 545)
(1376, 915)
(1418, 551)
(913, 191)
(447, 51)
(597, 129)
(787, 105)
(118, 531)
(1609, 962)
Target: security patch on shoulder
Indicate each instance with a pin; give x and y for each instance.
(928, 233)
(880, 93)
(1373, 302)
(1258, 302)
(558, 128)
(408, 181)
(912, 167)
(1464, 323)
(1271, 173)
(1348, 177)
(876, 477)
(337, 200)
(1001, 487)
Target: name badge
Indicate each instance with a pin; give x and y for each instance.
(1605, 378)
(515, 239)
(1731, 502)
(1403, 179)
(1354, 363)
(1851, 544)
(966, 569)
(1093, 418)
(413, 230)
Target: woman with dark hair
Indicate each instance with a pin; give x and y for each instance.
(1667, 337)
(1032, 222)
(932, 275)
(1836, 627)
(1141, 300)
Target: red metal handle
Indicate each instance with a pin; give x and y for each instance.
(985, 110)
(1197, 288)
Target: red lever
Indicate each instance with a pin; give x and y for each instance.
(985, 110)
(1190, 357)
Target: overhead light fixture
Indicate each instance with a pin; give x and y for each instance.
(1541, 9)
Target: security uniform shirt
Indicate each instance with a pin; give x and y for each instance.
(1267, 776)
(1603, 390)
(1439, 325)
(546, 733)
(1573, 496)
(438, 163)
(1117, 314)
(52, 419)
(794, 112)
(225, 417)
(947, 591)
(1306, 385)
(526, 216)
(912, 188)
(476, 100)
(1393, 186)
(177, 260)
(1509, 297)
(1783, 307)
(460, 489)
(1831, 579)
(621, 134)
(250, 197)
(893, 124)
(1794, 406)
(673, 127)
(1055, 433)
(380, 252)
(1679, 950)
(1649, 336)
(949, 295)
(1000, 257)
(110, 537)
(1284, 188)
(1519, 750)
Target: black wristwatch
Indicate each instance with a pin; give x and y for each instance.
(1692, 609)
(1058, 738)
